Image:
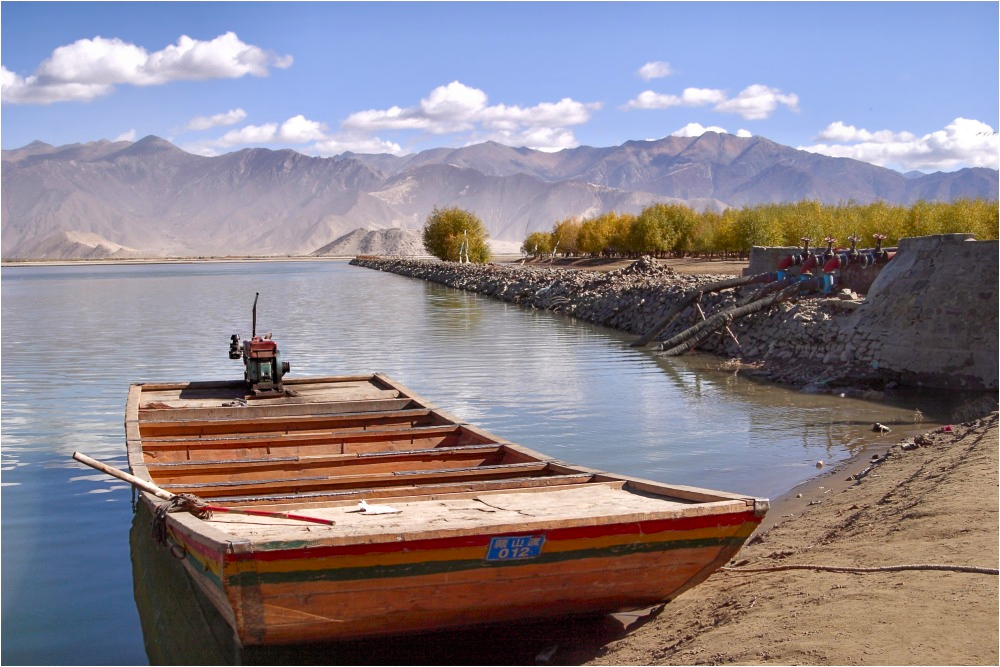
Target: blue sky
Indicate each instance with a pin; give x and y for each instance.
(900, 84)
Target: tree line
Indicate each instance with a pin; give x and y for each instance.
(665, 230)
(662, 230)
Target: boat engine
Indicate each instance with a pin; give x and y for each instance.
(263, 367)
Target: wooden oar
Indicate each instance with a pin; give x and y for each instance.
(166, 495)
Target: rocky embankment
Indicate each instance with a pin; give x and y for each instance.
(636, 298)
(632, 299)
(840, 342)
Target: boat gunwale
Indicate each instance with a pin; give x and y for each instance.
(220, 542)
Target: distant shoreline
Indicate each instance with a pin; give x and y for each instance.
(172, 260)
(503, 257)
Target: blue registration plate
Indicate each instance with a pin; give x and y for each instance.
(515, 548)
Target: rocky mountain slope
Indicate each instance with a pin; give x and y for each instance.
(78, 245)
(155, 199)
(403, 242)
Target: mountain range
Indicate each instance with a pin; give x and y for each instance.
(150, 198)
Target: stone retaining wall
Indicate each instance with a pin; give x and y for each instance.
(930, 318)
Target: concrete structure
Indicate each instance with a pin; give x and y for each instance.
(932, 314)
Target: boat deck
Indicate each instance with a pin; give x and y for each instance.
(590, 504)
(331, 443)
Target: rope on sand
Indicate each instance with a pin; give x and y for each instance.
(865, 570)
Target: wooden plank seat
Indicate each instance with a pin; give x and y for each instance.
(290, 501)
(246, 410)
(269, 445)
(394, 455)
(301, 390)
(190, 472)
(364, 481)
(391, 418)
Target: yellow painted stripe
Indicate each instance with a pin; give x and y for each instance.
(479, 552)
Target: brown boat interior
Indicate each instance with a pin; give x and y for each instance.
(332, 440)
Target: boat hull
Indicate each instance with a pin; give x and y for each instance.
(292, 593)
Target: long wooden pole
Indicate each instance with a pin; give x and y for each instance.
(124, 476)
(166, 495)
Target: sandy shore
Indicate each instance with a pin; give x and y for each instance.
(936, 503)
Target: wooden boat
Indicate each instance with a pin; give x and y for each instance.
(349, 507)
(477, 529)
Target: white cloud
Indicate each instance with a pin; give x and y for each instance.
(299, 130)
(455, 101)
(547, 139)
(449, 109)
(655, 70)
(547, 114)
(94, 61)
(296, 130)
(691, 97)
(393, 118)
(840, 133)
(757, 102)
(962, 143)
(27, 90)
(696, 130)
(230, 117)
(460, 108)
(355, 144)
(746, 134)
(90, 68)
(225, 57)
(126, 136)
(648, 99)
(696, 97)
(251, 134)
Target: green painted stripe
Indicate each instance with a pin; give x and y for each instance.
(203, 572)
(441, 567)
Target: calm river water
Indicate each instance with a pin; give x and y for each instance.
(73, 338)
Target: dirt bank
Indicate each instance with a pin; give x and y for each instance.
(932, 503)
(685, 266)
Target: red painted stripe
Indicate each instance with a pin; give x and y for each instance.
(582, 532)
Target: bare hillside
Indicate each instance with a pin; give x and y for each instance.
(79, 245)
(384, 242)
